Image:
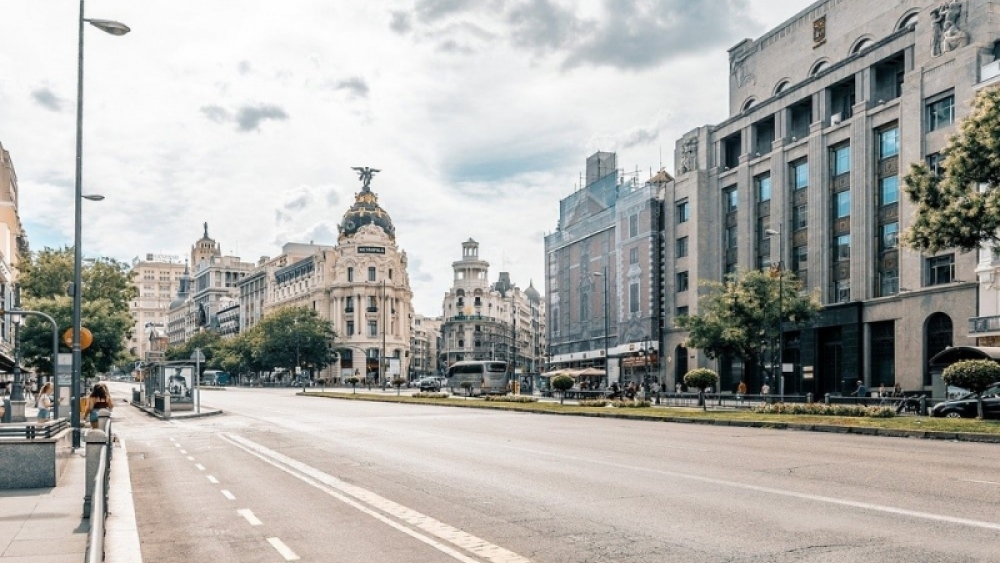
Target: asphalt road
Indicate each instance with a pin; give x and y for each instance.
(282, 477)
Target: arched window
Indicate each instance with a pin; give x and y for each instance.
(861, 45)
(748, 104)
(818, 67)
(908, 20)
(781, 87)
(938, 335)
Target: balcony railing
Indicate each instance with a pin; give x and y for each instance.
(983, 325)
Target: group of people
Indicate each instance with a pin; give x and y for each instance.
(99, 398)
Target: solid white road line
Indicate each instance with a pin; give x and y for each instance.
(121, 544)
(200, 466)
(228, 494)
(980, 482)
(283, 549)
(213, 480)
(248, 514)
(375, 505)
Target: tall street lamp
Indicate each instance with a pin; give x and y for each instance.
(114, 28)
(607, 360)
(781, 296)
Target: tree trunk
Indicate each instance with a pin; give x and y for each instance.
(979, 405)
(701, 400)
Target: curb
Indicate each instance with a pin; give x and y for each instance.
(152, 412)
(805, 427)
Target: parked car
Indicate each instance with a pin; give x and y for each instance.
(966, 407)
(432, 384)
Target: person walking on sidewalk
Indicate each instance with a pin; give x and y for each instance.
(100, 398)
(43, 400)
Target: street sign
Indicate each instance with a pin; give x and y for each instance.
(64, 370)
(197, 355)
(86, 338)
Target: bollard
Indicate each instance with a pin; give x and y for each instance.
(96, 439)
(166, 406)
(809, 398)
(923, 405)
(826, 398)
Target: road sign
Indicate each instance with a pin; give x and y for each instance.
(86, 338)
(197, 355)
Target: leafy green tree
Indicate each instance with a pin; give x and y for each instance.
(701, 379)
(739, 317)
(960, 207)
(295, 336)
(562, 383)
(208, 341)
(398, 384)
(354, 380)
(974, 375)
(107, 290)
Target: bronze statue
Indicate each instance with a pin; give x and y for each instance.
(365, 175)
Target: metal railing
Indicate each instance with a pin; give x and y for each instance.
(33, 430)
(96, 503)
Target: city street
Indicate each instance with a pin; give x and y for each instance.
(282, 477)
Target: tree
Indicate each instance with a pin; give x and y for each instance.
(562, 383)
(43, 281)
(208, 341)
(701, 378)
(974, 375)
(960, 207)
(740, 316)
(354, 380)
(295, 336)
(398, 383)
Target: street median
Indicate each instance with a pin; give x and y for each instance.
(965, 430)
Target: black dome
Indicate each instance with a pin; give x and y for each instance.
(366, 211)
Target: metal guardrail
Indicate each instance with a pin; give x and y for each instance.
(32, 431)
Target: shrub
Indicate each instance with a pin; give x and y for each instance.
(509, 399)
(701, 378)
(974, 375)
(354, 380)
(594, 403)
(820, 409)
(562, 383)
(431, 395)
(397, 383)
(467, 385)
(631, 404)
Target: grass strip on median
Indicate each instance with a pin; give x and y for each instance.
(946, 428)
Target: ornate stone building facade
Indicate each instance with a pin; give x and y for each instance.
(827, 112)
(13, 244)
(157, 280)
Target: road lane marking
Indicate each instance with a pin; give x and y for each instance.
(176, 445)
(200, 466)
(173, 440)
(375, 505)
(213, 480)
(248, 514)
(228, 494)
(184, 451)
(283, 549)
(980, 482)
(190, 458)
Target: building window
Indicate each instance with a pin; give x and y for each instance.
(682, 311)
(350, 328)
(683, 212)
(888, 190)
(763, 184)
(633, 226)
(841, 160)
(888, 142)
(682, 281)
(731, 198)
(935, 164)
(800, 257)
(633, 256)
(633, 297)
(371, 273)
(842, 204)
(372, 328)
(888, 283)
(842, 248)
(682, 247)
(800, 175)
(888, 236)
(350, 274)
(841, 291)
(731, 237)
(372, 304)
(940, 113)
(941, 269)
(349, 304)
(800, 216)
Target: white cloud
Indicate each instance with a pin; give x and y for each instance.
(479, 113)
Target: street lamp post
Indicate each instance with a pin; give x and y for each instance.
(607, 360)
(781, 296)
(55, 349)
(114, 28)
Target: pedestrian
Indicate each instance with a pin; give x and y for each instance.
(677, 388)
(43, 400)
(861, 391)
(630, 390)
(765, 390)
(881, 391)
(741, 390)
(100, 398)
(897, 391)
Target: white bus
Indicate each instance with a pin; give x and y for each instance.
(486, 378)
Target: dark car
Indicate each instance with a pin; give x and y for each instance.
(429, 384)
(966, 407)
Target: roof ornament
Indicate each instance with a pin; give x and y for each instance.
(365, 175)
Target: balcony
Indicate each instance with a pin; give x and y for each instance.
(348, 309)
(372, 309)
(984, 326)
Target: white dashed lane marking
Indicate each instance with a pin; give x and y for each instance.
(177, 445)
(190, 458)
(249, 515)
(183, 451)
(228, 494)
(213, 480)
(200, 466)
(283, 549)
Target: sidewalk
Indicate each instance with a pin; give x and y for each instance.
(46, 525)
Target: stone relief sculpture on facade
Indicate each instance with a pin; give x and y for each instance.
(738, 66)
(948, 35)
(689, 155)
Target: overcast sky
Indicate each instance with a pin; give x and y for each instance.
(249, 115)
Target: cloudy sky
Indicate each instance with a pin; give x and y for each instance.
(249, 115)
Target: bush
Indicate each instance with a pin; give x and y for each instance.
(509, 399)
(820, 409)
(974, 375)
(430, 395)
(594, 403)
(562, 383)
(701, 378)
(631, 404)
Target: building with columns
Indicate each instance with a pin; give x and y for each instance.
(827, 113)
(157, 280)
(13, 245)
